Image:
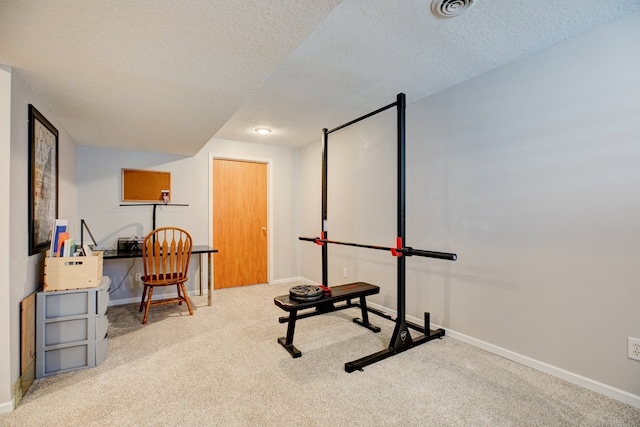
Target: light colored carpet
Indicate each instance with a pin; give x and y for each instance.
(223, 367)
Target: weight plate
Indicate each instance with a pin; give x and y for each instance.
(305, 293)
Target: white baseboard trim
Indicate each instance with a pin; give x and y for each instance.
(114, 302)
(136, 299)
(6, 407)
(292, 279)
(579, 380)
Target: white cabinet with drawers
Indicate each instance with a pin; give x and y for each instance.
(71, 329)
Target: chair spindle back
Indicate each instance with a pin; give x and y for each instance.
(166, 252)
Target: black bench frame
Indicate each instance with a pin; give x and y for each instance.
(326, 304)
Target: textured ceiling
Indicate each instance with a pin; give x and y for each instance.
(167, 76)
(149, 75)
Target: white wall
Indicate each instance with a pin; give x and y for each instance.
(99, 184)
(5, 304)
(361, 203)
(530, 174)
(25, 273)
(309, 205)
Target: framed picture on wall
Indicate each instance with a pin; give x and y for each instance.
(43, 180)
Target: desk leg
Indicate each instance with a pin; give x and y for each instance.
(200, 270)
(209, 278)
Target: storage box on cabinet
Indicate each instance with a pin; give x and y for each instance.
(71, 329)
(62, 273)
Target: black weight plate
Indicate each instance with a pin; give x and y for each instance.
(304, 299)
(305, 293)
(305, 290)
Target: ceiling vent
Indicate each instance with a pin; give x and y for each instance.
(450, 8)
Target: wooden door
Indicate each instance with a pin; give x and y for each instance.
(239, 223)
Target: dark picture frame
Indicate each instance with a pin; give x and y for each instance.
(43, 180)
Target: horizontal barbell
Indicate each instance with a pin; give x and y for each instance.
(408, 251)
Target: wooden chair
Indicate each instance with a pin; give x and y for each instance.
(166, 253)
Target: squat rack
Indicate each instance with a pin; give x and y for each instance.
(401, 339)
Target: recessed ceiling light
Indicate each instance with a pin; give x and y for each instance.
(263, 131)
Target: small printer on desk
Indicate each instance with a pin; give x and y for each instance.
(131, 245)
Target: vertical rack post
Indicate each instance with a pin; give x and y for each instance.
(401, 338)
(325, 253)
(401, 101)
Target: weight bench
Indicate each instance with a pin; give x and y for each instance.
(325, 305)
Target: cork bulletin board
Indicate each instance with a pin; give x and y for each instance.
(144, 185)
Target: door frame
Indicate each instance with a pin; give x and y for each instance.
(243, 158)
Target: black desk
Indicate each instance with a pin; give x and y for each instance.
(200, 250)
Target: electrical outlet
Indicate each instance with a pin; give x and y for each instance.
(138, 277)
(634, 348)
(345, 272)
